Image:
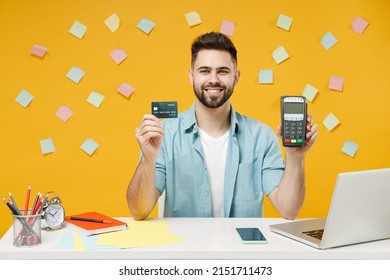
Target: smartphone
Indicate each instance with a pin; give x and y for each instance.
(251, 235)
(294, 110)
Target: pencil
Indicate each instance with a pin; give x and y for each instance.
(14, 212)
(90, 220)
(13, 201)
(27, 200)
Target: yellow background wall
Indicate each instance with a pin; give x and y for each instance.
(157, 68)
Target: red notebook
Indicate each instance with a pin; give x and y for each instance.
(93, 228)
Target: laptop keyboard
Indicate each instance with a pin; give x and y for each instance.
(317, 233)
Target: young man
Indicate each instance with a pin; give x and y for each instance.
(212, 161)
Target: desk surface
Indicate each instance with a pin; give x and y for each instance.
(204, 238)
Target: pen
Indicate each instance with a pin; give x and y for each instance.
(27, 200)
(90, 220)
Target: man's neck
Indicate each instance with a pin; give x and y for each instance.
(214, 121)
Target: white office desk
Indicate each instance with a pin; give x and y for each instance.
(203, 239)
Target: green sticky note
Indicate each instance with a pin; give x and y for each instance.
(47, 146)
(95, 99)
(330, 122)
(280, 54)
(266, 77)
(309, 92)
(78, 29)
(284, 22)
(350, 148)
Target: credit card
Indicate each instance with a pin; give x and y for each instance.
(164, 110)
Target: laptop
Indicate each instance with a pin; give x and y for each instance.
(359, 212)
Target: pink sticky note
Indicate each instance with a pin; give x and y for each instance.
(38, 50)
(336, 83)
(125, 89)
(227, 27)
(359, 25)
(64, 113)
(118, 55)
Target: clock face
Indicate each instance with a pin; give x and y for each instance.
(54, 215)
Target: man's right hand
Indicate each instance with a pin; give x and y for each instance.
(149, 135)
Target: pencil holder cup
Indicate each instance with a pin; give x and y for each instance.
(26, 230)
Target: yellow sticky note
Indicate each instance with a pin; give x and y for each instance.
(112, 22)
(330, 122)
(140, 234)
(193, 18)
(309, 92)
(78, 243)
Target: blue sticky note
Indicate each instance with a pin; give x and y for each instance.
(78, 29)
(266, 77)
(328, 40)
(350, 148)
(146, 25)
(284, 22)
(95, 99)
(66, 242)
(47, 146)
(75, 74)
(89, 146)
(24, 98)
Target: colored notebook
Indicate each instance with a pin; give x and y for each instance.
(92, 228)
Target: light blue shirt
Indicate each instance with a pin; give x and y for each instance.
(254, 167)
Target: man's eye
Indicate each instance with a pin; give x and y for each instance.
(204, 71)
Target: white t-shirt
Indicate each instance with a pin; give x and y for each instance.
(215, 151)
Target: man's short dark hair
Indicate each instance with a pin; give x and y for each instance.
(213, 41)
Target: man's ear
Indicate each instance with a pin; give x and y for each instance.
(237, 77)
(190, 76)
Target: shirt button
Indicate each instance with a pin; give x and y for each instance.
(206, 193)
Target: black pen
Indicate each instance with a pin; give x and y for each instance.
(90, 220)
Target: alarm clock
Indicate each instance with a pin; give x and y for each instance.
(54, 212)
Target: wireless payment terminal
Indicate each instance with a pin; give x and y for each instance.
(294, 109)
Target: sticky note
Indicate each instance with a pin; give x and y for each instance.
(350, 148)
(64, 113)
(24, 98)
(193, 18)
(227, 27)
(47, 146)
(266, 77)
(125, 89)
(38, 50)
(112, 22)
(280, 55)
(75, 74)
(336, 83)
(146, 25)
(89, 146)
(328, 40)
(78, 29)
(284, 22)
(309, 92)
(95, 99)
(118, 55)
(359, 25)
(330, 122)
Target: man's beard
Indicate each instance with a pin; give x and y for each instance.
(213, 101)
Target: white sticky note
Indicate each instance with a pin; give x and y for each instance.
(350, 148)
(284, 22)
(227, 27)
(146, 25)
(64, 113)
(89, 146)
(47, 146)
(328, 40)
(330, 122)
(75, 74)
(125, 89)
(112, 22)
(309, 92)
(38, 50)
(359, 25)
(118, 55)
(24, 98)
(266, 77)
(280, 55)
(193, 18)
(95, 99)
(78, 29)
(336, 83)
